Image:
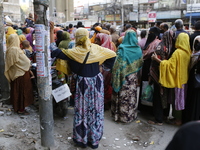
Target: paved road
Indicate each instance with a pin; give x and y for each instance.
(23, 133)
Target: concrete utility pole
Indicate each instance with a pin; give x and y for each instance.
(43, 60)
(5, 93)
(122, 12)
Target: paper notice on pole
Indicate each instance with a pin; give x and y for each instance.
(41, 71)
(61, 93)
(39, 37)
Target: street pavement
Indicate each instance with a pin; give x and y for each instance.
(23, 133)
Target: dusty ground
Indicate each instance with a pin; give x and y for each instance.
(19, 132)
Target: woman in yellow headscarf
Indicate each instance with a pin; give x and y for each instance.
(89, 94)
(17, 67)
(10, 31)
(174, 71)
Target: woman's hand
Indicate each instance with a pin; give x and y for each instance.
(51, 24)
(154, 56)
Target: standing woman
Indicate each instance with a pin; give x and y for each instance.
(174, 72)
(105, 40)
(124, 79)
(89, 94)
(192, 105)
(17, 67)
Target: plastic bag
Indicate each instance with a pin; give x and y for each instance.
(147, 94)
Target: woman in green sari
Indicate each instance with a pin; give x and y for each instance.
(124, 79)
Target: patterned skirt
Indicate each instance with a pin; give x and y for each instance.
(123, 105)
(89, 111)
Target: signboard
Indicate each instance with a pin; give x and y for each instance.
(153, 1)
(61, 93)
(152, 17)
(168, 14)
(143, 17)
(193, 7)
(111, 17)
(133, 16)
(143, 1)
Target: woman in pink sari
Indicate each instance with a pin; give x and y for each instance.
(105, 40)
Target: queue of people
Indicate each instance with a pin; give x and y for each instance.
(104, 70)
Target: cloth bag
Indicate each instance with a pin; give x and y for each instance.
(147, 94)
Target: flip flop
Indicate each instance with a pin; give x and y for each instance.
(154, 123)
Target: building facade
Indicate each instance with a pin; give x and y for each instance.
(61, 10)
(142, 13)
(11, 8)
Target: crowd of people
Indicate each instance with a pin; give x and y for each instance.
(104, 69)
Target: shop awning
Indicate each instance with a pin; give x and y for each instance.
(193, 14)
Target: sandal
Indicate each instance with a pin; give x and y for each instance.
(154, 123)
(23, 112)
(173, 122)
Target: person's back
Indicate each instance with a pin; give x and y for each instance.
(186, 138)
(196, 33)
(114, 35)
(143, 39)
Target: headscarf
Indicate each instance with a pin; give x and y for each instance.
(153, 33)
(10, 31)
(97, 28)
(129, 60)
(151, 43)
(29, 37)
(195, 52)
(59, 37)
(16, 62)
(106, 41)
(61, 65)
(22, 38)
(174, 72)
(83, 46)
(28, 30)
(19, 31)
(65, 40)
(186, 138)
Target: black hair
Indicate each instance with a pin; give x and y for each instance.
(165, 26)
(79, 24)
(70, 25)
(96, 24)
(24, 29)
(197, 25)
(143, 33)
(128, 26)
(15, 27)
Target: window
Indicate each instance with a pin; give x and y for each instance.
(5, 0)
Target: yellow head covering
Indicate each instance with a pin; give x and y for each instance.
(10, 31)
(83, 45)
(22, 38)
(174, 72)
(16, 62)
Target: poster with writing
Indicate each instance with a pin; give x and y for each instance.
(40, 37)
(41, 71)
